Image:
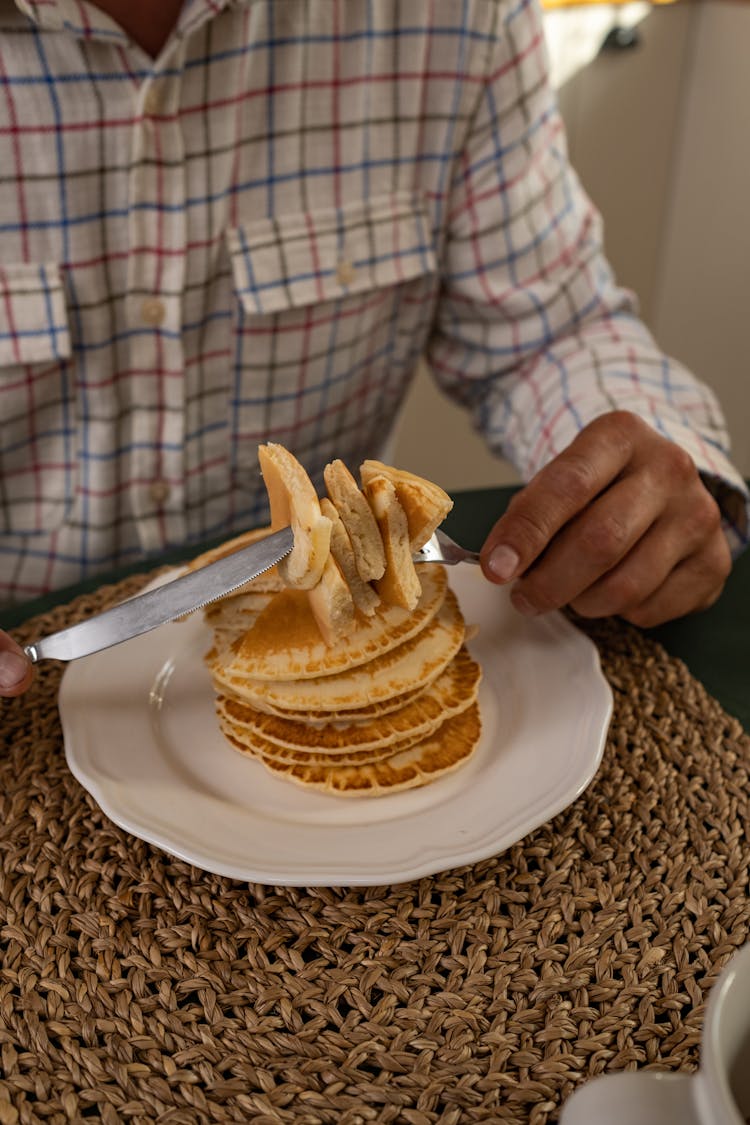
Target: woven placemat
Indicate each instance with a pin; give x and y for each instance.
(135, 987)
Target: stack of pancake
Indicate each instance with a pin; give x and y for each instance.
(356, 682)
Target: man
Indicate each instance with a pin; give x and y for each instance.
(230, 222)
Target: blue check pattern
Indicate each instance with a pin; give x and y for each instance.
(256, 237)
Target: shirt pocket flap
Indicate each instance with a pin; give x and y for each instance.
(300, 259)
(33, 314)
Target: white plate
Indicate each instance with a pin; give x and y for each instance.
(141, 737)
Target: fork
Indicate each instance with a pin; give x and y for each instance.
(442, 549)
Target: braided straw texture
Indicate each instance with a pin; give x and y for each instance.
(136, 988)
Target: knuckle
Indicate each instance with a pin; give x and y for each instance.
(701, 525)
(679, 464)
(574, 479)
(620, 428)
(626, 424)
(713, 565)
(605, 539)
(706, 515)
(624, 590)
(628, 420)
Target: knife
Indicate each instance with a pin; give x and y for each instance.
(182, 595)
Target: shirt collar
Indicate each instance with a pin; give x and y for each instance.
(85, 21)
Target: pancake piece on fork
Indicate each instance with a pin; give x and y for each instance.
(400, 584)
(357, 517)
(425, 503)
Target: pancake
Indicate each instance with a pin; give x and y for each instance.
(413, 665)
(452, 692)
(285, 643)
(400, 583)
(425, 503)
(237, 613)
(442, 752)
(365, 597)
(251, 744)
(369, 710)
(331, 604)
(294, 502)
(358, 520)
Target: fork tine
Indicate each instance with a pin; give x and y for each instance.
(454, 550)
(441, 548)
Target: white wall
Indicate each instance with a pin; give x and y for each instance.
(701, 303)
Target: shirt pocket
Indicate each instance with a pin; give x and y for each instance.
(298, 259)
(37, 424)
(333, 309)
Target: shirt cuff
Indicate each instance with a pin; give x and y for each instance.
(735, 511)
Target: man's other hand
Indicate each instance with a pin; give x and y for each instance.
(619, 523)
(16, 672)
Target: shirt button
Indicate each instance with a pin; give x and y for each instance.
(152, 101)
(153, 311)
(159, 491)
(344, 272)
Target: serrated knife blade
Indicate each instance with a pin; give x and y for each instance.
(156, 607)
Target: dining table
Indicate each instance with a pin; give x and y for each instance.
(137, 986)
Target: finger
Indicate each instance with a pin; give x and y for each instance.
(16, 672)
(691, 587)
(636, 577)
(590, 546)
(557, 493)
(677, 536)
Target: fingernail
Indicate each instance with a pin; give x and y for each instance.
(523, 606)
(503, 562)
(13, 669)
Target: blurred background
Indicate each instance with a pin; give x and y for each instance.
(655, 99)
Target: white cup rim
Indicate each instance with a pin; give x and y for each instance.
(713, 1065)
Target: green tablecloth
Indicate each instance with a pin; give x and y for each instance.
(715, 644)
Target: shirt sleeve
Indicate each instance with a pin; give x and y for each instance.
(532, 332)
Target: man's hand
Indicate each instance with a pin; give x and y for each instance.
(16, 671)
(619, 523)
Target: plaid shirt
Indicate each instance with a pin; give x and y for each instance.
(257, 235)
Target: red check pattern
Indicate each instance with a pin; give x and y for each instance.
(257, 235)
